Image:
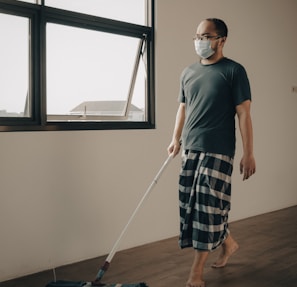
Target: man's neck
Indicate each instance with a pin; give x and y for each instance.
(212, 60)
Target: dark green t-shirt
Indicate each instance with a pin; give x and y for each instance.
(211, 93)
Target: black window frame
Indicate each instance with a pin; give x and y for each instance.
(39, 15)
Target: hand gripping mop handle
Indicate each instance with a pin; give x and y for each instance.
(116, 245)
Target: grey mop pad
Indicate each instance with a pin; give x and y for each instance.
(63, 283)
(128, 285)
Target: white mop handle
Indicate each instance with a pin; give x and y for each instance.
(115, 247)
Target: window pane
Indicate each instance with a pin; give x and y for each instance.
(14, 68)
(89, 73)
(132, 11)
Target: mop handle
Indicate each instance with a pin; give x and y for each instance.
(105, 267)
(115, 247)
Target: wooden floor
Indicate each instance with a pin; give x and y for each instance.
(267, 257)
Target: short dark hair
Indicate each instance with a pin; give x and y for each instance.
(220, 25)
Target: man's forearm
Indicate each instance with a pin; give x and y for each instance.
(179, 123)
(246, 130)
(245, 126)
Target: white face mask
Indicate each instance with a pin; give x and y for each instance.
(203, 48)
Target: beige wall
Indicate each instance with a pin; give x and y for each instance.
(65, 196)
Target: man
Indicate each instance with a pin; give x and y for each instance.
(213, 91)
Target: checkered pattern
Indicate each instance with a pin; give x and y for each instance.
(204, 195)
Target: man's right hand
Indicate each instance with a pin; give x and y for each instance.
(174, 148)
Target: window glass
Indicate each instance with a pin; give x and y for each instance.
(14, 68)
(61, 71)
(132, 11)
(89, 73)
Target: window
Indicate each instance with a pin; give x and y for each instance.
(14, 59)
(72, 65)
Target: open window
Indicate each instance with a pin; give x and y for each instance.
(66, 69)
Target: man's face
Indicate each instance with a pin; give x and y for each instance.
(206, 31)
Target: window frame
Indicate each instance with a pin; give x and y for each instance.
(39, 15)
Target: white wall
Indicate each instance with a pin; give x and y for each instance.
(65, 196)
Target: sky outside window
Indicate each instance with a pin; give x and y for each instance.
(85, 65)
(14, 68)
(132, 11)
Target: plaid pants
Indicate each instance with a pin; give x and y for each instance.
(204, 197)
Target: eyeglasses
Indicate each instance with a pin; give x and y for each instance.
(206, 37)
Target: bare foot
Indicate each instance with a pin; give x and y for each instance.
(195, 279)
(199, 284)
(196, 274)
(195, 283)
(229, 247)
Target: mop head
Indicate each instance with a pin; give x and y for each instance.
(62, 283)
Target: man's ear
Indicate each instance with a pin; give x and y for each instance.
(223, 40)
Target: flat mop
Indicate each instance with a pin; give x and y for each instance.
(105, 266)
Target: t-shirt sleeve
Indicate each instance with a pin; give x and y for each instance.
(241, 90)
